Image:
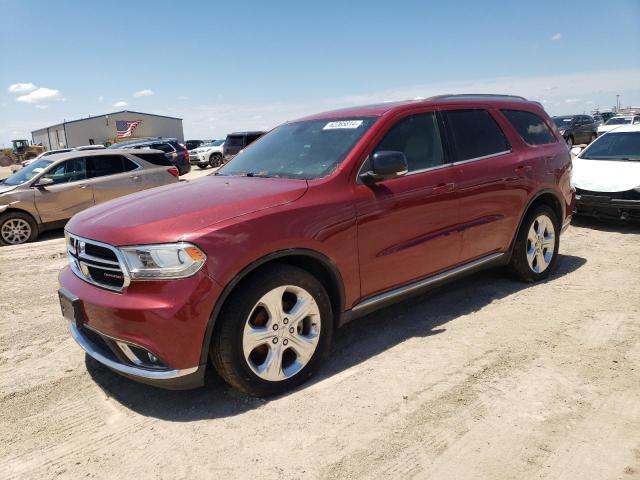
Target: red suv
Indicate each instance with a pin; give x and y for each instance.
(322, 220)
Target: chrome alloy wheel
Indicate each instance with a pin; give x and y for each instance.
(541, 244)
(281, 333)
(15, 231)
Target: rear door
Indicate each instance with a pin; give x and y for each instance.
(69, 194)
(113, 176)
(156, 172)
(491, 180)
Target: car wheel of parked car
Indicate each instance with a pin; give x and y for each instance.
(215, 160)
(570, 141)
(535, 252)
(16, 228)
(273, 331)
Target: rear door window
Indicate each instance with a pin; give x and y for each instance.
(165, 147)
(418, 137)
(103, 165)
(530, 127)
(475, 134)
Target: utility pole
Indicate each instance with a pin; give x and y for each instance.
(617, 103)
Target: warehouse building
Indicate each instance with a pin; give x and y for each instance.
(107, 129)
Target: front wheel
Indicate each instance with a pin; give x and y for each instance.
(215, 160)
(535, 252)
(273, 331)
(16, 228)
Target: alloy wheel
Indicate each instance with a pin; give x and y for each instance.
(541, 244)
(15, 231)
(281, 333)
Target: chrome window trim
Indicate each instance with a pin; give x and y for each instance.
(476, 159)
(75, 263)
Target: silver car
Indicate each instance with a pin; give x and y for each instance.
(48, 192)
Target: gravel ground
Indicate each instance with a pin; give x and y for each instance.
(483, 378)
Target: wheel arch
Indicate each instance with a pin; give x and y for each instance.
(543, 197)
(312, 261)
(10, 208)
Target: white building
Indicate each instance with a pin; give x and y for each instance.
(105, 129)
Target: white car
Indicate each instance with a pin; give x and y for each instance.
(617, 121)
(606, 175)
(207, 154)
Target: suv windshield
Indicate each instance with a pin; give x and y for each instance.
(304, 150)
(562, 121)
(619, 121)
(28, 172)
(615, 146)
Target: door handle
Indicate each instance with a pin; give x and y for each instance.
(84, 185)
(443, 188)
(134, 177)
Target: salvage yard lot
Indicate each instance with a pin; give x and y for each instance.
(485, 377)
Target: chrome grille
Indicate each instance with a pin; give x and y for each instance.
(97, 263)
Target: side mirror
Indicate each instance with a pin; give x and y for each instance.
(576, 150)
(44, 182)
(385, 165)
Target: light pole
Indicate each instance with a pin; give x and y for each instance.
(617, 103)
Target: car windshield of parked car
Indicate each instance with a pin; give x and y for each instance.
(304, 150)
(615, 146)
(28, 172)
(618, 121)
(563, 121)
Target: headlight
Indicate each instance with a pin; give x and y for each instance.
(169, 260)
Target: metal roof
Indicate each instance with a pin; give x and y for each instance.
(66, 122)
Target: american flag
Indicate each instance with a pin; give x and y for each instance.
(125, 128)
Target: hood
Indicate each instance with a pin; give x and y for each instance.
(174, 212)
(7, 188)
(608, 128)
(605, 175)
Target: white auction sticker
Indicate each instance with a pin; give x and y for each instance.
(342, 124)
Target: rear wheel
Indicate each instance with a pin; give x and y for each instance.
(215, 160)
(273, 331)
(535, 252)
(16, 228)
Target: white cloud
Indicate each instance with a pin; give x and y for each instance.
(144, 93)
(40, 95)
(120, 104)
(571, 100)
(21, 87)
(183, 97)
(556, 37)
(42, 107)
(100, 99)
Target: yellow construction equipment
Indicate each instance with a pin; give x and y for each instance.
(20, 152)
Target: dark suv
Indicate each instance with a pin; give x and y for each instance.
(322, 220)
(175, 152)
(577, 129)
(237, 141)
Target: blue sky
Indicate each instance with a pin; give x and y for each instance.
(226, 66)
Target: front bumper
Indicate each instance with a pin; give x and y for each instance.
(198, 160)
(607, 207)
(165, 318)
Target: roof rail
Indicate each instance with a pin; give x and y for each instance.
(462, 96)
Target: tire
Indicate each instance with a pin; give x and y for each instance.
(570, 142)
(255, 344)
(14, 222)
(532, 261)
(215, 160)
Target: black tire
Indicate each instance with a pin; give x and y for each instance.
(16, 214)
(226, 350)
(215, 160)
(519, 264)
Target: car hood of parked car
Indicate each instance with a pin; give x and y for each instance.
(606, 175)
(6, 188)
(173, 212)
(608, 128)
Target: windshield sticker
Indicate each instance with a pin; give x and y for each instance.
(343, 124)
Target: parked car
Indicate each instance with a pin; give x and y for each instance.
(615, 122)
(191, 144)
(45, 194)
(237, 141)
(208, 154)
(577, 129)
(63, 150)
(602, 117)
(173, 150)
(606, 175)
(323, 220)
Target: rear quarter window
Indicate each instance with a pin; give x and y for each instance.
(530, 127)
(475, 134)
(154, 158)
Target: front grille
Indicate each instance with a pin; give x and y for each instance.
(96, 262)
(626, 195)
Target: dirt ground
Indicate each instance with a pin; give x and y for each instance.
(483, 378)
